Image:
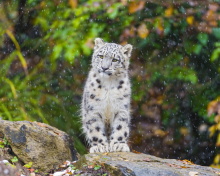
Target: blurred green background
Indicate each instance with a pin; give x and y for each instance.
(45, 55)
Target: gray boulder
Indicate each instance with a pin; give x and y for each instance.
(39, 143)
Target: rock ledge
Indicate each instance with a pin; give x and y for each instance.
(132, 164)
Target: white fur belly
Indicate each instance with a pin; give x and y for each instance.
(108, 104)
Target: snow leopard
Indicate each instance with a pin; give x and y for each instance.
(105, 106)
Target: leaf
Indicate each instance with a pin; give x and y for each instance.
(217, 44)
(136, 6)
(159, 26)
(184, 131)
(159, 132)
(212, 130)
(56, 51)
(167, 27)
(31, 170)
(217, 119)
(28, 165)
(173, 165)
(185, 161)
(217, 159)
(218, 141)
(90, 166)
(169, 11)
(73, 3)
(142, 30)
(213, 107)
(134, 151)
(97, 167)
(114, 10)
(20, 56)
(12, 37)
(190, 20)
(14, 160)
(216, 32)
(203, 38)
(197, 49)
(215, 55)
(7, 112)
(5, 141)
(12, 86)
(23, 61)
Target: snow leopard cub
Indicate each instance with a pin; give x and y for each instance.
(106, 98)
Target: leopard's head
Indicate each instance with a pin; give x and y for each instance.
(110, 58)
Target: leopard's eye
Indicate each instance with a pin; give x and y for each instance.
(101, 56)
(114, 60)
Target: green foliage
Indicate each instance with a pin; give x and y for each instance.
(28, 165)
(97, 167)
(216, 32)
(4, 143)
(216, 53)
(71, 30)
(14, 160)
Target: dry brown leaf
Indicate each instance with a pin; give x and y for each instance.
(90, 166)
(210, 15)
(213, 107)
(142, 30)
(184, 131)
(169, 11)
(73, 3)
(174, 165)
(217, 119)
(41, 124)
(134, 151)
(187, 162)
(159, 132)
(136, 6)
(218, 141)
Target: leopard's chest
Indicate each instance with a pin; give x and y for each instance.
(109, 102)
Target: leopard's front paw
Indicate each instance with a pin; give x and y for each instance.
(119, 147)
(99, 148)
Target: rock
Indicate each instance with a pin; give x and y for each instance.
(39, 143)
(5, 153)
(132, 164)
(8, 170)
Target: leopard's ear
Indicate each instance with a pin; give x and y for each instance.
(98, 43)
(126, 50)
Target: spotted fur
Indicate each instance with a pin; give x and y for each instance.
(106, 98)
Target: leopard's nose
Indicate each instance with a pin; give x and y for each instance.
(104, 68)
